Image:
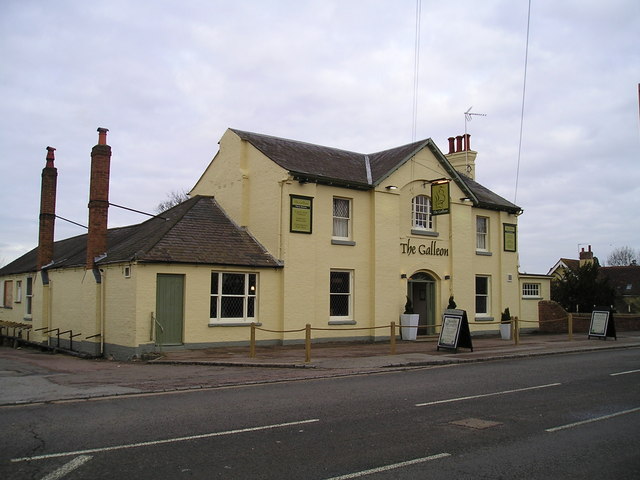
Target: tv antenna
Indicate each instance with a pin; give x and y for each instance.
(468, 116)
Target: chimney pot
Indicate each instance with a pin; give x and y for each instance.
(452, 147)
(459, 143)
(467, 142)
(50, 157)
(102, 135)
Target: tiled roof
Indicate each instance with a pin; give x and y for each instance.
(488, 199)
(196, 231)
(311, 162)
(626, 280)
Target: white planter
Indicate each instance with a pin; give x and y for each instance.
(409, 320)
(505, 331)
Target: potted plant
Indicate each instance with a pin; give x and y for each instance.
(505, 324)
(409, 322)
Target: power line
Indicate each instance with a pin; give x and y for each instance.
(524, 89)
(416, 70)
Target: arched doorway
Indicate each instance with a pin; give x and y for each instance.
(421, 289)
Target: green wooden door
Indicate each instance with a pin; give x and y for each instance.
(169, 309)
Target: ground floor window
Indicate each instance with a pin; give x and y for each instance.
(7, 294)
(340, 295)
(482, 296)
(233, 296)
(29, 297)
(531, 290)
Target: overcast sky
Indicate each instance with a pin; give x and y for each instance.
(167, 78)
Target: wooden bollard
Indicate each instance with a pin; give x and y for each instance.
(393, 338)
(252, 343)
(307, 343)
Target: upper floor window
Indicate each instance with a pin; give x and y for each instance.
(482, 233)
(421, 213)
(341, 218)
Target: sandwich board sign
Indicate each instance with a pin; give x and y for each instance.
(455, 331)
(602, 324)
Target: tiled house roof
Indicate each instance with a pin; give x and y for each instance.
(309, 162)
(196, 231)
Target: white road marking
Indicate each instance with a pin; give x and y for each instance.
(68, 467)
(597, 419)
(390, 467)
(623, 373)
(471, 397)
(161, 442)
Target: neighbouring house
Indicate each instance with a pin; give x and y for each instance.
(279, 233)
(625, 280)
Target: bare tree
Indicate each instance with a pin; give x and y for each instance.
(622, 257)
(173, 198)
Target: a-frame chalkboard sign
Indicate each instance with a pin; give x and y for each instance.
(602, 324)
(455, 331)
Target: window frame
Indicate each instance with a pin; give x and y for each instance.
(7, 294)
(348, 220)
(28, 296)
(528, 292)
(249, 298)
(415, 224)
(486, 296)
(18, 297)
(482, 235)
(349, 316)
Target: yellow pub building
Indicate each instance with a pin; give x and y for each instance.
(279, 233)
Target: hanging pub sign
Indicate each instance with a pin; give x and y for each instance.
(455, 331)
(510, 237)
(440, 198)
(301, 215)
(602, 324)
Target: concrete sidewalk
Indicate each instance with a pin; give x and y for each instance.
(28, 376)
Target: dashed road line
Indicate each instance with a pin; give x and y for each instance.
(393, 466)
(165, 441)
(471, 397)
(591, 420)
(68, 467)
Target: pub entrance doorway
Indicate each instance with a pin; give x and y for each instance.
(422, 292)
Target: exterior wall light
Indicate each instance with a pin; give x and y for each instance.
(391, 187)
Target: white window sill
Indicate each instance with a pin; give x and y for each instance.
(335, 241)
(483, 253)
(342, 322)
(424, 233)
(484, 319)
(233, 324)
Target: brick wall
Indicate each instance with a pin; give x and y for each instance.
(554, 319)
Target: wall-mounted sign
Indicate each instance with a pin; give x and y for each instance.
(510, 236)
(301, 215)
(455, 330)
(440, 198)
(602, 324)
(423, 249)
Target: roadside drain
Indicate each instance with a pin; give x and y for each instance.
(475, 423)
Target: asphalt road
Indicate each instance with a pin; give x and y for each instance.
(565, 416)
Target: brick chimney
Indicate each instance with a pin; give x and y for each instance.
(47, 210)
(586, 257)
(460, 155)
(98, 199)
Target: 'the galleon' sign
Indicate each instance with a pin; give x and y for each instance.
(423, 249)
